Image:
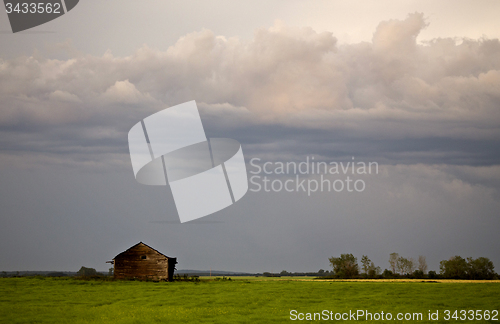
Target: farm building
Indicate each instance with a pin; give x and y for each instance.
(143, 262)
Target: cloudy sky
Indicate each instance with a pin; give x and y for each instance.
(411, 85)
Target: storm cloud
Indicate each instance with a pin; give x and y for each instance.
(428, 113)
(442, 95)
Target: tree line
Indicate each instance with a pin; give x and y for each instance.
(346, 267)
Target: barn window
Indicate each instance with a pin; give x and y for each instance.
(143, 257)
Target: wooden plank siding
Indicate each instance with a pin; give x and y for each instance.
(144, 263)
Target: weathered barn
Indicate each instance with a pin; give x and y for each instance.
(143, 262)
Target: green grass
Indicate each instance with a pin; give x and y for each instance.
(259, 278)
(68, 300)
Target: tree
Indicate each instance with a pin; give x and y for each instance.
(411, 266)
(387, 274)
(393, 260)
(373, 271)
(418, 274)
(432, 275)
(110, 272)
(346, 266)
(480, 268)
(422, 264)
(86, 272)
(366, 264)
(454, 268)
(401, 265)
(405, 266)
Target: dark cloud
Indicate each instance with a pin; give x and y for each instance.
(428, 114)
(390, 99)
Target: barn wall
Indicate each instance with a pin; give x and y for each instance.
(130, 264)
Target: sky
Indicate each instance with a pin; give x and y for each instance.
(411, 85)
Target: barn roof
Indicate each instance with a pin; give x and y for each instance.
(145, 245)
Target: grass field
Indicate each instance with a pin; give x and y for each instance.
(241, 300)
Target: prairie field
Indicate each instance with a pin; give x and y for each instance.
(240, 300)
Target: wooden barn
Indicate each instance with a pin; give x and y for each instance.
(143, 262)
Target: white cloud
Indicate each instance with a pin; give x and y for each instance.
(59, 95)
(124, 92)
(391, 88)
